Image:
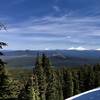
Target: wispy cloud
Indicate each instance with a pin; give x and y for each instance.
(63, 25)
(64, 29)
(56, 8)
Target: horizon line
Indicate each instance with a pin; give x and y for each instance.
(49, 49)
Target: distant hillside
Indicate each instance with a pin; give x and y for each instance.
(59, 58)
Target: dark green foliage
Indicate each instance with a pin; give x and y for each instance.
(5, 81)
(2, 26)
(54, 88)
(97, 79)
(39, 72)
(46, 65)
(59, 86)
(9, 88)
(68, 86)
(87, 78)
(29, 92)
(4, 84)
(2, 63)
(76, 82)
(51, 92)
(48, 81)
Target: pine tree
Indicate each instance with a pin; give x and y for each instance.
(88, 79)
(82, 74)
(35, 84)
(39, 72)
(52, 93)
(59, 86)
(5, 84)
(91, 79)
(5, 81)
(68, 84)
(76, 83)
(7, 87)
(46, 65)
(97, 79)
(29, 92)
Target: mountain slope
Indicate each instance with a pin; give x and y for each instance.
(59, 58)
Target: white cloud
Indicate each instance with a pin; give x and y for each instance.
(46, 49)
(77, 48)
(68, 37)
(98, 49)
(56, 8)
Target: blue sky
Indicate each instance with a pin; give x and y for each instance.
(51, 24)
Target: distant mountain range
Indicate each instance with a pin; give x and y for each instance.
(59, 58)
